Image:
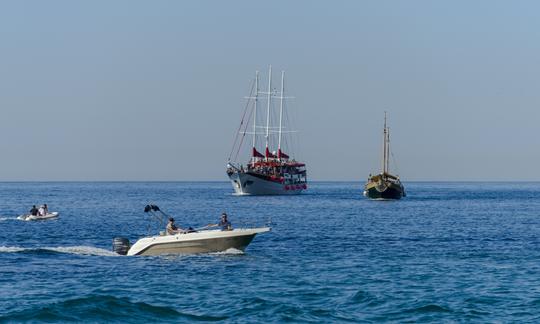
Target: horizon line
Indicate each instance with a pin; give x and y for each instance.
(226, 181)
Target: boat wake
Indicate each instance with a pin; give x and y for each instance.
(231, 251)
(78, 250)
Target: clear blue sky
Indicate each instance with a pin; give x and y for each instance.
(153, 90)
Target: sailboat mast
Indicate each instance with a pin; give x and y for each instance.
(255, 111)
(268, 109)
(384, 146)
(281, 113)
(387, 150)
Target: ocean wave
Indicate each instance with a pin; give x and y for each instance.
(100, 308)
(79, 250)
(362, 297)
(430, 308)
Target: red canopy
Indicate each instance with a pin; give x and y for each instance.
(257, 154)
(268, 154)
(282, 155)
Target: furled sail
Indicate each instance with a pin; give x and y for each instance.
(257, 154)
(268, 154)
(282, 155)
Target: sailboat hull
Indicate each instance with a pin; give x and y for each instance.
(249, 184)
(391, 191)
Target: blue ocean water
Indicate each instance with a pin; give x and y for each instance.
(448, 252)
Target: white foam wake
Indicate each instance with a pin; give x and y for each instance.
(232, 251)
(82, 250)
(79, 250)
(11, 249)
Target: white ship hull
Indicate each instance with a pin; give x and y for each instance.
(247, 184)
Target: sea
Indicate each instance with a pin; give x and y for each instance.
(448, 252)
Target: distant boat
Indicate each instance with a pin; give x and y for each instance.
(384, 185)
(274, 172)
(29, 217)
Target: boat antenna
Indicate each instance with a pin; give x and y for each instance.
(268, 109)
(281, 113)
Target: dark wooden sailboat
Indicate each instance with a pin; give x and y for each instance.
(384, 185)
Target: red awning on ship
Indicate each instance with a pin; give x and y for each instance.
(282, 155)
(268, 154)
(257, 154)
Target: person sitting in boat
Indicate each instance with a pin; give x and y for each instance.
(41, 210)
(46, 209)
(224, 223)
(172, 228)
(34, 211)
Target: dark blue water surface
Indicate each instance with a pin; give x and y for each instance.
(448, 252)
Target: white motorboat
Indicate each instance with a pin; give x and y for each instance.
(29, 217)
(196, 242)
(190, 242)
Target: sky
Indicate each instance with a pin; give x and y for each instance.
(154, 90)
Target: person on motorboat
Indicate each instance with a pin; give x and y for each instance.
(172, 228)
(45, 209)
(41, 210)
(34, 211)
(223, 223)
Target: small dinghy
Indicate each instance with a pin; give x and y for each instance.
(193, 241)
(29, 217)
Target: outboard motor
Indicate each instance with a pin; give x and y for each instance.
(121, 245)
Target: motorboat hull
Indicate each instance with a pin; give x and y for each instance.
(197, 242)
(248, 184)
(29, 217)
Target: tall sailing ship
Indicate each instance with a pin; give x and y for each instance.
(274, 172)
(384, 185)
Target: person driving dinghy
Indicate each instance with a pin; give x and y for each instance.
(34, 211)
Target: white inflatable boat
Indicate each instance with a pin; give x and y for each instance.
(29, 217)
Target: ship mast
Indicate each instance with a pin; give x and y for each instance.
(255, 112)
(385, 150)
(280, 113)
(268, 110)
